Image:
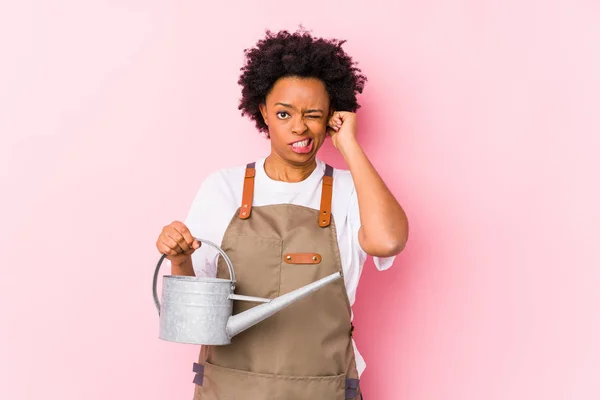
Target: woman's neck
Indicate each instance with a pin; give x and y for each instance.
(280, 170)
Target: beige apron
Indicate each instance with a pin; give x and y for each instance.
(305, 351)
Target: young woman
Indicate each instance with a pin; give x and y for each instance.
(287, 220)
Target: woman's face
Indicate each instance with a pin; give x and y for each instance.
(296, 112)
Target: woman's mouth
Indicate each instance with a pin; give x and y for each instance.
(302, 146)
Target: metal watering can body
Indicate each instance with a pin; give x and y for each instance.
(198, 310)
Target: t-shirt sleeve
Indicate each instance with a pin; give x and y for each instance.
(381, 263)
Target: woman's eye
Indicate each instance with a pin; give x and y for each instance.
(282, 114)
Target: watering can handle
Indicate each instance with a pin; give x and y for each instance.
(208, 242)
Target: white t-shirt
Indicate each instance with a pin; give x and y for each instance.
(220, 195)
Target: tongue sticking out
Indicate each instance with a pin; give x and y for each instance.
(303, 147)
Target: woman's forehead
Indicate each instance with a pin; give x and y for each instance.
(299, 93)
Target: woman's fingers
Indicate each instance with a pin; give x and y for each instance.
(335, 122)
(187, 236)
(164, 248)
(176, 241)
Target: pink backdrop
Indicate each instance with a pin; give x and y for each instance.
(483, 117)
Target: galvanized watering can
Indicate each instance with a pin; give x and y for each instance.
(199, 310)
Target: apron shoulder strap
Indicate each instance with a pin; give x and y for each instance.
(248, 191)
(326, 196)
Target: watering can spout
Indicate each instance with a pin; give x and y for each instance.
(240, 322)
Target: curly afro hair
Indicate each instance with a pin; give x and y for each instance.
(298, 54)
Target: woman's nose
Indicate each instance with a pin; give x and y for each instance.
(299, 126)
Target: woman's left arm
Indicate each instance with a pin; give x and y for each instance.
(384, 226)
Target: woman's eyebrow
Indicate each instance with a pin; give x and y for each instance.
(285, 105)
(311, 110)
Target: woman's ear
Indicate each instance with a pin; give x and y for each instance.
(263, 110)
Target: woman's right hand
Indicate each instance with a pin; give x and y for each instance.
(177, 242)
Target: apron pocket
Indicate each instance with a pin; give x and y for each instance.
(252, 257)
(231, 384)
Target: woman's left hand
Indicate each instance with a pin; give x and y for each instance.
(342, 128)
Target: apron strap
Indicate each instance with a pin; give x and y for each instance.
(326, 196)
(352, 388)
(248, 191)
(199, 377)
